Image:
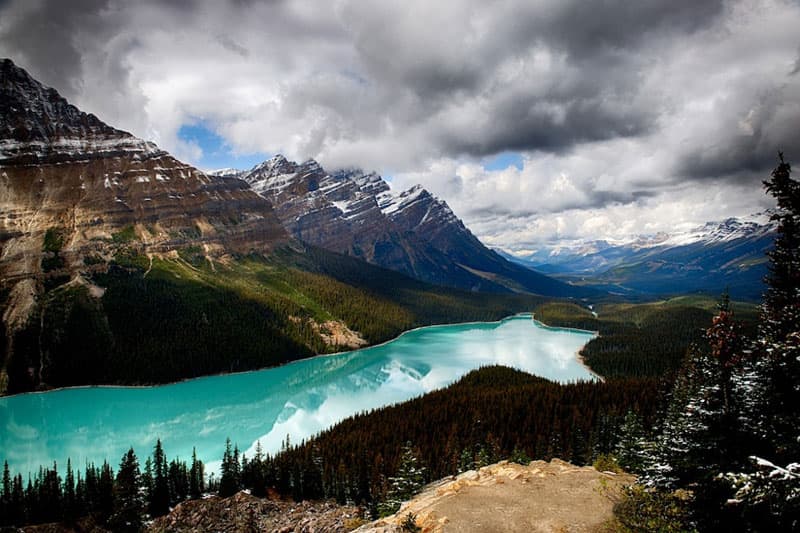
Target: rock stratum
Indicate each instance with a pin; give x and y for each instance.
(73, 190)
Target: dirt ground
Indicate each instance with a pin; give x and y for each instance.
(506, 497)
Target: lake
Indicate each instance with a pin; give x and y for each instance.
(298, 399)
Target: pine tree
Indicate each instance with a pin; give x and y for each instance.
(17, 511)
(407, 481)
(147, 481)
(128, 502)
(634, 450)
(178, 481)
(159, 497)
(780, 323)
(71, 510)
(104, 502)
(196, 477)
(229, 471)
(5, 497)
(768, 494)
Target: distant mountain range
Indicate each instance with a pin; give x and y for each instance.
(710, 258)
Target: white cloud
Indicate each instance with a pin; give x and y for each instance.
(631, 117)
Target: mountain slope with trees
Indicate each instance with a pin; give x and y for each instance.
(727, 455)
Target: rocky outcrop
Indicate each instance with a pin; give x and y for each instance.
(243, 512)
(507, 497)
(66, 171)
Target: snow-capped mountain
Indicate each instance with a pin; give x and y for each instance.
(227, 173)
(728, 253)
(356, 213)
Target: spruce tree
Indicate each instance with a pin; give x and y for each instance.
(104, 504)
(407, 481)
(128, 502)
(229, 471)
(5, 497)
(780, 322)
(196, 477)
(17, 503)
(768, 490)
(71, 510)
(159, 497)
(634, 450)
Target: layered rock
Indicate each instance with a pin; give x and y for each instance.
(73, 190)
(331, 211)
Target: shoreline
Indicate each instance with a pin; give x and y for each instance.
(523, 314)
(578, 355)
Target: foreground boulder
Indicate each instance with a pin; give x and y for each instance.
(507, 497)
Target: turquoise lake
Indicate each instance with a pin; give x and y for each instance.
(298, 399)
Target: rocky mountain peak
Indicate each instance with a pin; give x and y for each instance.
(275, 166)
(356, 213)
(37, 124)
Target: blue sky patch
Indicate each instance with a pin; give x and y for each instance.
(502, 161)
(216, 152)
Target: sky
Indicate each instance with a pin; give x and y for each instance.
(538, 121)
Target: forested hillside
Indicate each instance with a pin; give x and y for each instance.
(726, 456)
(640, 339)
(162, 317)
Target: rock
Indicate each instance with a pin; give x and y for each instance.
(506, 497)
(244, 512)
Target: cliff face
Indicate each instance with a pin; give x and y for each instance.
(333, 212)
(73, 190)
(68, 172)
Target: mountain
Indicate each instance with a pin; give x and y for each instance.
(717, 255)
(413, 232)
(121, 264)
(67, 173)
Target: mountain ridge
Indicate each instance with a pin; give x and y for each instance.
(710, 257)
(356, 213)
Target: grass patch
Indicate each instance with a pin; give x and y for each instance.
(123, 236)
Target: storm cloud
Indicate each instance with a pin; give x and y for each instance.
(629, 117)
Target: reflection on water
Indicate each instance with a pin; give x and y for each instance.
(298, 399)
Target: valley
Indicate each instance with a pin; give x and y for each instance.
(266, 407)
(465, 268)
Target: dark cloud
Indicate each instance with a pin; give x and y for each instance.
(233, 46)
(747, 138)
(532, 124)
(612, 104)
(586, 30)
(43, 37)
